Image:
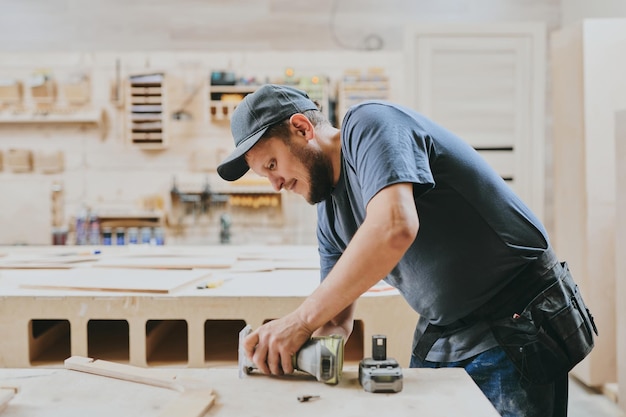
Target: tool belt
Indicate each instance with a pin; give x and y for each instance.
(539, 319)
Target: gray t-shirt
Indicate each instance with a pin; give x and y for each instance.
(475, 234)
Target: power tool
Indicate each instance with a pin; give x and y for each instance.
(320, 356)
(379, 373)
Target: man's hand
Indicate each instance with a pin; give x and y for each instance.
(272, 346)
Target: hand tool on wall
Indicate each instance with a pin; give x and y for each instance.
(321, 357)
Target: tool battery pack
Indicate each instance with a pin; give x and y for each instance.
(380, 375)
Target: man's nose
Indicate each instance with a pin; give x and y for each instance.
(277, 182)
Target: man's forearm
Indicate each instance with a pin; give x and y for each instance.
(342, 324)
(387, 232)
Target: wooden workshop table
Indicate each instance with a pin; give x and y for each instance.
(66, 393)
(184, 327)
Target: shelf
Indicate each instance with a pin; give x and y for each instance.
(94, 117)
(226, 89)
(147, 219)
(356, 88)
(223, 99)
(148, 215)
(246, 185)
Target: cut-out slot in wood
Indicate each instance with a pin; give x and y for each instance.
(108, 339)
(353, 351)
(221, 341)
(49, 341)
(167, 342)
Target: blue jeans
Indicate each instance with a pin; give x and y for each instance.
(502, 384)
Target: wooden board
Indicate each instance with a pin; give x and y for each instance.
(166, 262)
(120, 280)
(47, 262)
(6, 395)
(26, 215)
(190, 404)
(34, 265)
(122, 371)
(426, 393)
(54, 257)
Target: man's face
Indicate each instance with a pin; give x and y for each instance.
(297, 167)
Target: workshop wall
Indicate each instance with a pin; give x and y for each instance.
(73, 156)
(91, 163)
(244, 25)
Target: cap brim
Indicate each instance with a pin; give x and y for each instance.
(234, 166)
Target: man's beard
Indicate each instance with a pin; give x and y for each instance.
(320, 172)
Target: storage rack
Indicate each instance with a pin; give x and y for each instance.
(223, 99)
(356, 87)
(147, 111)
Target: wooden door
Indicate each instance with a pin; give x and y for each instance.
(486, 83)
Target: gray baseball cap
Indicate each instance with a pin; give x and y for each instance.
(268, 105)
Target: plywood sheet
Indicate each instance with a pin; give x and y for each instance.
(26, 215)
(426, 392)
(279, 253)
(6, 394)
(64, 261)
(189, 404)
(121, 280)
(166, 262)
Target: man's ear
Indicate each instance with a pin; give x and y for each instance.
(302, 125)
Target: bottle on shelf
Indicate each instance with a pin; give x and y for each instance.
(146, 235)
(133, 235)
(82, 226)
(94, 229)
(120, 236)
(107, 236)
(159, 236)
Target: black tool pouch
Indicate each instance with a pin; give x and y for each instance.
(551, 334)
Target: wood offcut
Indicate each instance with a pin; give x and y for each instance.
(194, 401)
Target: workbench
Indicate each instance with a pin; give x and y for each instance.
(42, 325)
(67, 393)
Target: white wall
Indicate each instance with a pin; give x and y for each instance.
(214, 25)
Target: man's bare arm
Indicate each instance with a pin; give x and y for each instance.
(389, 229)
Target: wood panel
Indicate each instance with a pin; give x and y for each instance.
(589, 74)
(22, 221)
(620, 248)
(431, 392)
(133, 280)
